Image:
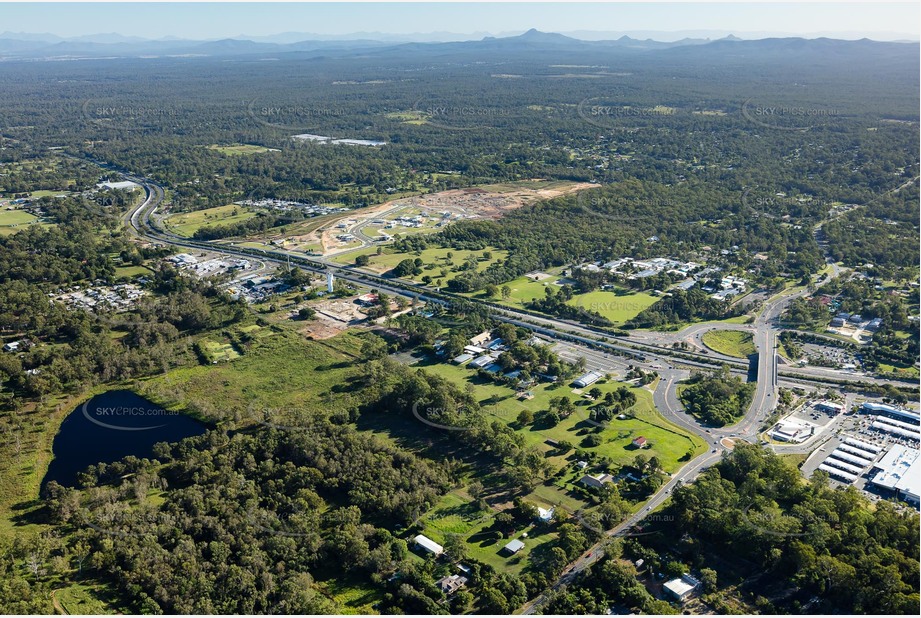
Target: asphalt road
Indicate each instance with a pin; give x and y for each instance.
(579, 337)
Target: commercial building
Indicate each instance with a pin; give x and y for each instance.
(788, 431)
(900, 472)
(830, 407)
(884, 409)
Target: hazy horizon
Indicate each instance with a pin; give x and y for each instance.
(469, 21)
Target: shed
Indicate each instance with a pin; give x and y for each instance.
(428, 545)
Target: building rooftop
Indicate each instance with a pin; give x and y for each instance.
(887, 409)
(428, 544)
(900, 468)
(680, 586)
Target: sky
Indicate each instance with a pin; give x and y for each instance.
(220, 20)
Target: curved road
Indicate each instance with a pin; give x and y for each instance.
(665, 395)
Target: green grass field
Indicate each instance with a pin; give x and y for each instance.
(241, 149)
(11, 221)
(905, 370)
(353, 597)
(435, 260)
(617, 306)
(408, 117)
(730, 342)
(86, 599)
(279, 369)
(218, 352)
(132, 271)
(457, 514)
(524, 289)
(282, 371)
(187, 223)
(669, 443)
(47, 193)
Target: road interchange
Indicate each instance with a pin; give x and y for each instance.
(667, 403)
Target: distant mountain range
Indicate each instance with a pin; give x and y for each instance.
(31, 46)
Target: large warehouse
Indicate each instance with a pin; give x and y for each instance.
(900, 471)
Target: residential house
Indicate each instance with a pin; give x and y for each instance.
(451, 583)
(597, 481)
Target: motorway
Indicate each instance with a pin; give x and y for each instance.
(585, 341)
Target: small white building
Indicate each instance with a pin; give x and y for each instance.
(428, 545)
(588, 379)
(681, 588)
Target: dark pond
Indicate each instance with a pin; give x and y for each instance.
(111, 426)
